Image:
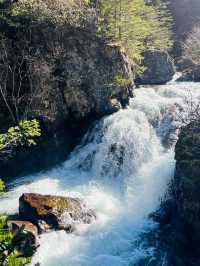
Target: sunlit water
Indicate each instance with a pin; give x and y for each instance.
(122, 170)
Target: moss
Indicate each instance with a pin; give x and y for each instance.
(44, 204)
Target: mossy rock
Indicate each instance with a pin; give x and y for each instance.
(56, 212)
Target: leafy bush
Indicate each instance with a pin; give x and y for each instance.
(5, 235)
(24, 134)
(15, 259)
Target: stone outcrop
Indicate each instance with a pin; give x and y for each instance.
(179, 217)
(187, 189)
(83, 80)
(54, 212)
(191, 74)
(187, 181)
(159, 68)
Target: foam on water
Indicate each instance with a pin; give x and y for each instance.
(122, 169)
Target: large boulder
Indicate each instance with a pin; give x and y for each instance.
(54, 212)
(159, 68)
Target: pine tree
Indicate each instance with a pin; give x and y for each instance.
(135, 25)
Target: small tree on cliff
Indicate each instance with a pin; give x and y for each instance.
(192, 45)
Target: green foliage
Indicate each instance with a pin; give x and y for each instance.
(135, 26)
(54, 11)
(14, 258)
(5, 235)
(24, 134)
(120, 81)
(2, 186)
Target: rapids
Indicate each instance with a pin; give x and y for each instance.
(122, 169)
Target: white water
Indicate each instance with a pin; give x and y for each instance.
(122, 170)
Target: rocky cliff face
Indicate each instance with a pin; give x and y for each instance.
(187, 187)
(83, 80)
(74, 78)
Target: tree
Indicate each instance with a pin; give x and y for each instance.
(134, 25)
(17, 91)
(192, 45)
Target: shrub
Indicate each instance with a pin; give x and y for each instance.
(54, 11)
(13, 257)
(24, 134)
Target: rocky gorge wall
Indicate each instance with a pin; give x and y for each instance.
(186, 187)
(77, 78)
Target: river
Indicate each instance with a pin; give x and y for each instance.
(122, 169)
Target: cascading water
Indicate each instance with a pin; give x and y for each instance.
(122, 169)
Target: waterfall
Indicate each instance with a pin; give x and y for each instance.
(122, 169)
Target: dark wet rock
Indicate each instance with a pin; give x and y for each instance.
(178, 219)
(186, 189)
(183, 63)
(164, 214)
(15, 225)
(159, 68)
(187, 181)
(168, 239)
(54, 212)
(25, 239)
(191, 74)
